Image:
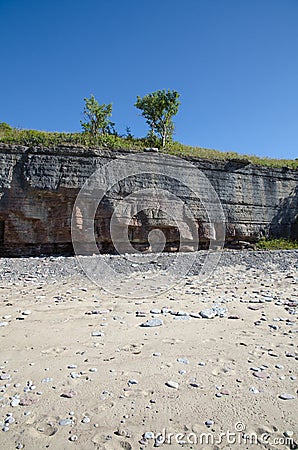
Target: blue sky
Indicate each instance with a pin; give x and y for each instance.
(234, 62)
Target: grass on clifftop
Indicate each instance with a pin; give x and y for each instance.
(277, 244)
(30, 138)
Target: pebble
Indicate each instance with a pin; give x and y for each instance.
(172, 384)
(288, 433)
(5, 376)
(279, 366)
(208, 313)
(73, 438)
(68, 394)
(213, 312)
(47, 380)
(64, 422)
(97, 333)
(261, 374)
(254, 390)
(27, 312)
(209, 423)
(183, 360)
(148, 435)
(152, 323)
(287, 396)
(15, 402)
(75, 375)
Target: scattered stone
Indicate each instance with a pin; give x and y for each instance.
(225, 392)
(28, 401)
(213, 312)
(261, 374)
(65, 422)
(74, 375)
(183, 360)
(47, 380)
(86, 419)
(208, 313)
(152, 323)
(255, 307)
(73, 438)
(172, 384)
(5, 376)
(148, 435)
(288, 433)
(254, 390)
(69, 394)
(287, 397)
(97, 333)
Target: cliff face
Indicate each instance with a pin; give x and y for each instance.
(38, 188)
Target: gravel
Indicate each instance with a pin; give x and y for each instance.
(49, 269)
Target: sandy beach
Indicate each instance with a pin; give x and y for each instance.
(216, 367)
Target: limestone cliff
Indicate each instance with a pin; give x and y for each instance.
(38, 188)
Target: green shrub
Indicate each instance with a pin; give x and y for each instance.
(277, 244)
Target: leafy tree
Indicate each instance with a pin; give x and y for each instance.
(97, 117)
(158, 108)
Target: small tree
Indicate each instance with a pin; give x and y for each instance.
(97, 117)
(158, 108)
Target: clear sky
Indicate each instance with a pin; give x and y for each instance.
(234, 62)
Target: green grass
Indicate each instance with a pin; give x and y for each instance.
(30, 138)
(277, 244)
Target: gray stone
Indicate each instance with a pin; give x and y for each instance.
(86, 419)
(287, 396)
(65, 422)
(172, 384)
(97, 333)
(183, 360)
(148, 435)
(47, 380)
(208, 313)
(152, 323)
(209, 423)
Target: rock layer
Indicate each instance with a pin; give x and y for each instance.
(38, 188)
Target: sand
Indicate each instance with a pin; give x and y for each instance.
(73, 351)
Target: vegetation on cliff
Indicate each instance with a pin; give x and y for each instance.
(277, 244)
(10, 135)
